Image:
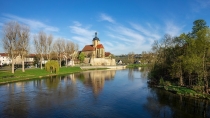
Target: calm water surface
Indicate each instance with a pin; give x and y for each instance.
(107, 93)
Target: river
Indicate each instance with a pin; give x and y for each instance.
(99, 93)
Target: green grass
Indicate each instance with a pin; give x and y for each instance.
(135, 65)
(7, 76)
(185, 92)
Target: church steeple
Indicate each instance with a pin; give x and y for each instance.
(96, 38)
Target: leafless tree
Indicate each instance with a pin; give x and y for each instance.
(131, 57)
(48, 46)
(59, 46)
(23, 43)
(70, 51)
(10, 37)
(40, 45)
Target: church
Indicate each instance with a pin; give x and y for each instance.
(96, 50)
(95, 53)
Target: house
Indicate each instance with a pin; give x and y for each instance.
(4, 59)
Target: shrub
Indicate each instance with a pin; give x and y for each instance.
(161, 82)
(52, 66)
(164, 83)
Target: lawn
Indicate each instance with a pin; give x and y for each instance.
(6, 76)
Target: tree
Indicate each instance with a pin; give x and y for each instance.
(70, 50)
(52, 66)
(198, 25)
(23, 43)
(40, 45)
(59, 46)
(131, 57)
(48, 46)
(81, 57)
(10, 37)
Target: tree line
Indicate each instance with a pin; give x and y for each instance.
(183, 60)
(16, 39)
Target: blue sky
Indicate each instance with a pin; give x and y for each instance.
(123, 26)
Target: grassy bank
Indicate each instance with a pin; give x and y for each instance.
(185, 91)
(7, 77)
(135, 65)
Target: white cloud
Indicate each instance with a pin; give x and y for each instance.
(82, 34)
(33, 24)
(145, 31)
(172, 29)
(134, 38)
(105, 17)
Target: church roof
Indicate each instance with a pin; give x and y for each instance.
(88, 48)
(107, 54)
(99, 46)
(91, 48)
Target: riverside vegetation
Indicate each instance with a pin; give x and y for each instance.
(181, 64)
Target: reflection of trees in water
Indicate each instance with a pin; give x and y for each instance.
(130, 73)
(59, 89)
(42, 94)
(15, 106)
(143, 70)
(52, 82)
(165, 104)
(96, 79)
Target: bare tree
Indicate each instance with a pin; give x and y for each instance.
(10, 33)
(70, 51)
(40, 45)
(48, 46)
(59, 46)
(131, 57)
(23, 43)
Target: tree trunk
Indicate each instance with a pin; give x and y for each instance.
(66, 63)
(205, 74)
(41, 62)
(181, 78)
(13, 65)
(23, 66)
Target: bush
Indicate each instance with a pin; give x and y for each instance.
(52, 66)
(161, 82)
(198, 88)
(164, 83)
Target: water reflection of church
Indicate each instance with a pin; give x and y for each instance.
(96, 79)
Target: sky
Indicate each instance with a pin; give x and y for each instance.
(123, 26)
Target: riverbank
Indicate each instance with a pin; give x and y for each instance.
(184, 91)
(33, 73)
(102, 67)
(135, 65)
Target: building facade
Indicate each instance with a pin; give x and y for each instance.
(95, 53)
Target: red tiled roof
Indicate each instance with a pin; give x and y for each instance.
(100, 46)
(107, 54)
(88, 48)
(4, 54)
(31, 55)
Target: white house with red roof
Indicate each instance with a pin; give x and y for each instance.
(4, 59)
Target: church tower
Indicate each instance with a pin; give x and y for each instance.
(96, 40)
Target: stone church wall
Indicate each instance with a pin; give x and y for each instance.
(102, 62)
